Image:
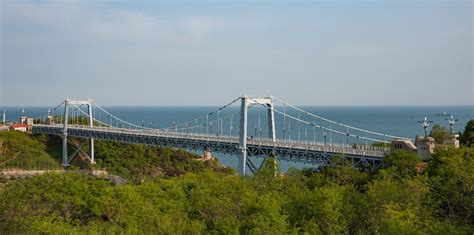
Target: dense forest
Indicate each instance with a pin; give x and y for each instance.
(171, 191)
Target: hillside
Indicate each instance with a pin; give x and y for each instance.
(136, 162)
(141, 161)
(172, 193)
(395, 200)
(22, 151)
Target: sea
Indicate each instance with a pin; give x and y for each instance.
(400, 121)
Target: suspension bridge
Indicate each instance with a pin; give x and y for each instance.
(283, 132)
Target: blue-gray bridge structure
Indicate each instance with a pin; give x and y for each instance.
(215, 132)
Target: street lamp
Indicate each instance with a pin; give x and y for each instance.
(451, 120)
(425, 123)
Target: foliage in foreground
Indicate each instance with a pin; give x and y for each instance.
(138, 161)
(467, 137)
(19, 150)
(394, 200)
(183, 196)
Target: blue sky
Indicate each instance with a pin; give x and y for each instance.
(337, 52)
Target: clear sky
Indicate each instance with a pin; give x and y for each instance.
(176, 52)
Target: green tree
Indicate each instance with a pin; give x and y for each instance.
(329, 208)
(380, 144)
(468, 134)
(267, 178)
(439, 133)
(179, 194)
(343, 175)
(394, 199)
(138, 161)
(20, 150)
(452, 174)
(394, 220)
(401, 163)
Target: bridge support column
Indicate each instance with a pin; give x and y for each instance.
(67, 103)
(243, 135)
(91, 124)
(245, 101)
(271, 121)
(66, 117)
(271, 132)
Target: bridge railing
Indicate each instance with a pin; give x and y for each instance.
(302, 145)
(172, 133)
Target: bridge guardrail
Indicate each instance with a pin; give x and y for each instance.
(343, 149)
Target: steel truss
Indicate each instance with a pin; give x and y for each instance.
(79, 151)
(226, 146)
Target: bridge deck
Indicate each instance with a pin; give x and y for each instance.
(286, 150)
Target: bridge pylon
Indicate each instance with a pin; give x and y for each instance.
(245, 102)
(67, 105)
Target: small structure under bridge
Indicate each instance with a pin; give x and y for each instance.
(287, 133)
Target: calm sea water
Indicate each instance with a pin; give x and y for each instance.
(399, 121)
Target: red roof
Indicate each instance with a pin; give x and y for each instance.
(14, 126)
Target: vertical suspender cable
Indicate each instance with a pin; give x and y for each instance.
(299, 128)
(289, 130)
(366, 139)
(347, 136)
(314, 132)
(330, 134)
(255, 127)
(230, 125)
(218, 127)
(259, 127)
(284, 123)
(306, 134)
(208, 127)
(222, 127)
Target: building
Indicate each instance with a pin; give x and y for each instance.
(50, 120)
(19, 127)
(27, 121)
(453, 141)
(403, 144)
(425, 146)
(23, 119)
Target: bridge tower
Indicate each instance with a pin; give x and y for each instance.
(67, 104)
(245, 102)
